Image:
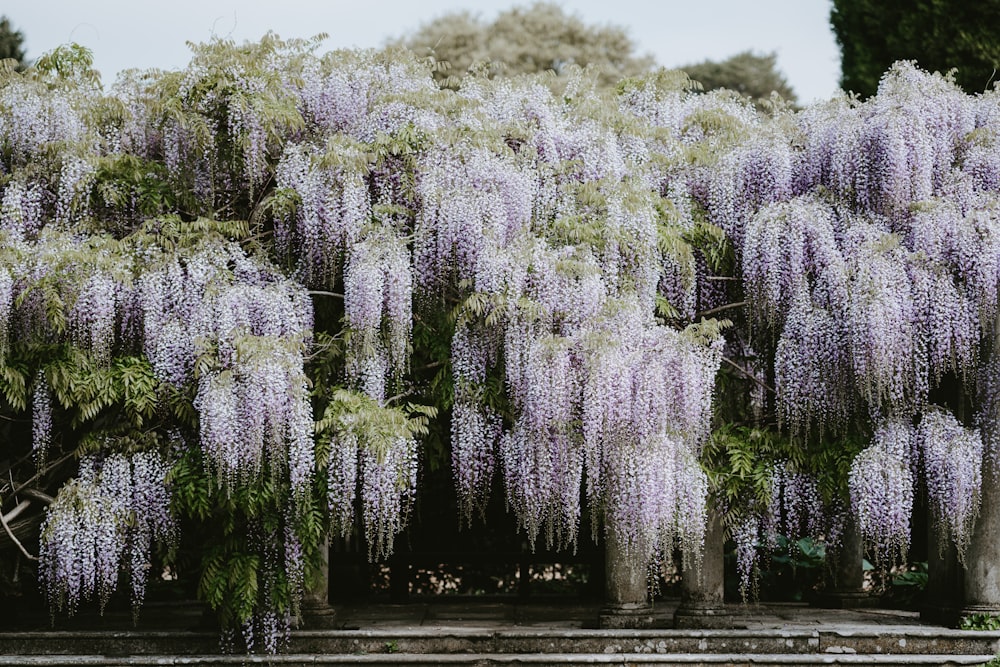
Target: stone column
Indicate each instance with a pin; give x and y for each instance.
(943, 596)
(626, 593)
(982, 560)
(845, 590)
(317, 614)
(703, 590)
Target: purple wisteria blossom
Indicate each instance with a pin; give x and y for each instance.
(101, 524)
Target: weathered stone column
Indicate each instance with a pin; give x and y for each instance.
(317, 614)
(626, 592)
(703, 590)
(943, 596)
(982, 560)
(845, 589)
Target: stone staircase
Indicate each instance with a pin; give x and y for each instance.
(506, 635)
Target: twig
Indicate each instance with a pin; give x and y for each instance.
(23, 505)
(12, 419)
(408, 392)
(750, 375)
(50, 466)
(318, 292)
(432, 365)
(40, 496)
(728, 306)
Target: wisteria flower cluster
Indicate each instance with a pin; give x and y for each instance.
(252, 397)
(103, 523)
(952, 459)
(881, 485)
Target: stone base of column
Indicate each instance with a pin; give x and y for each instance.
(704, 618)
(977, 610)
(318, 615)
(631, 617)
(844, 600)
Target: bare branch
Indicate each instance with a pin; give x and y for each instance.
(317, 292)
(749, 375)
(408, 392)
(40, 496)
(720, 309)
(10, 516)
(48, 467)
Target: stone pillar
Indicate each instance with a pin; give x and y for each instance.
(942, 603)
(845, 589)
(626, 593)
(703, 589)
(982, 560)
(317, 614)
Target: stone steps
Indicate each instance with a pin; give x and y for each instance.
(910, 645)
(485, 660)
(499, 633)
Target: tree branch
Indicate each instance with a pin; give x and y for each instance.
(40, 496)
(11, 515)
(49, 466)
(317, 292)
(750, 375)
(408, 392)
(720, 309)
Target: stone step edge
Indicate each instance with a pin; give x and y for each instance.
(929, 632)
(502, 659)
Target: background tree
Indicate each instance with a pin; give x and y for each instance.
(753, 75)
(938, 34)
(538, 38)
(11, 42)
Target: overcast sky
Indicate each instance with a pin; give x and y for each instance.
(138, 33)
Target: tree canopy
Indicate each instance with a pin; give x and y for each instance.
(753, 75)
(11, 42)
(939, 35)
(527, 40)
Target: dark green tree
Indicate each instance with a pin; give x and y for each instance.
(538, 38)
(11, 43)
(751, 74)
(939, 35)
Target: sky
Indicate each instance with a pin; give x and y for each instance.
(142, 34)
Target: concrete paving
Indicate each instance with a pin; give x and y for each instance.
(445, 613)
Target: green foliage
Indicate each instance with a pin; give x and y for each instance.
(122, 393)
(914, 577)
(234, 532)
(909, 585)
(68, 65)
(12, 44)
(376, 427)
(938, 34)
(980, 622)
(740, 461)
(529, 40)
(124, 182)
(755, 76)
(793, 568)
